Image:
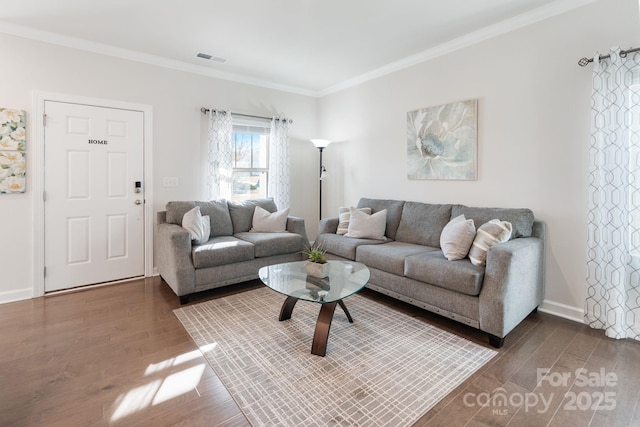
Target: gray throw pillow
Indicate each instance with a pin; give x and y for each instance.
(363, 226)
(266, 222)
(198, 226)
(457, 237)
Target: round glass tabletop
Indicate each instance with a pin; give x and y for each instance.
(291, 279)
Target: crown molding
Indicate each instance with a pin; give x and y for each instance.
(486, 33)
(552, 9)
(136, 56)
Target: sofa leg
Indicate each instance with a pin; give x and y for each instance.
(495, 341)
(184, 299)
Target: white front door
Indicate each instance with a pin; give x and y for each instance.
(94, 200)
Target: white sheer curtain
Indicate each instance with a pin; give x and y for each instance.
(220, 174)
(613, 293)
(279, 167)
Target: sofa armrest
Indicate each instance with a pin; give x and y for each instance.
(513, 284)
(296, 225)
(328, 225)
(174, 260)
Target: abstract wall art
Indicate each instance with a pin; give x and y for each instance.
(442, 141)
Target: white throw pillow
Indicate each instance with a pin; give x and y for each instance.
(266, 222)
(489, 234)
(344, 216)
(365, 226)
(199, 226)
(457, 237)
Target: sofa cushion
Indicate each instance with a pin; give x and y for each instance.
(365, 226)
(221, 250)
(457, 237)
(422, 223)
(433, 268)
(390, 256)
(344, 218)
(520, 219)
(176, 211)
(394, 212)
(269, 244)
(216, 210)
(242, 212)
(341, 246)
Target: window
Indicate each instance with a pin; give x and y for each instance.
(250, 146)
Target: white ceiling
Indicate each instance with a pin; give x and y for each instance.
(305, 46)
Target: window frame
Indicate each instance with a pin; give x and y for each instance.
(251, 127)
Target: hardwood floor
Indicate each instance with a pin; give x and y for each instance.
(117, 355)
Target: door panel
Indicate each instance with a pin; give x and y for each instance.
(79, 241)
(94, 230)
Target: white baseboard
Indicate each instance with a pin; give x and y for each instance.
(562, 310)
(577, 315)
(16, 295)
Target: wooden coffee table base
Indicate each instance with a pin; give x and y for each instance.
(323, 324)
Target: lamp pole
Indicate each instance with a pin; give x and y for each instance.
(320, 180)
(320, 144)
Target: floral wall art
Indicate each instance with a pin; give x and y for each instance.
(13, 139)
(442, 141)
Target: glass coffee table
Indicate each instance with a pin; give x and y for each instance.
(291, 279)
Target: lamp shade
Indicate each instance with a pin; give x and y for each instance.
(321, 143)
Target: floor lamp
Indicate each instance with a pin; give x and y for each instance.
(321, 144)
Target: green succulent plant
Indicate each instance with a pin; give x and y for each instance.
(315, 254)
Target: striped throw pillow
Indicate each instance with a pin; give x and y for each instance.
(344, 216)
(489, 234)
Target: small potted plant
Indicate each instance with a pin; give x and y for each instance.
(317, 265)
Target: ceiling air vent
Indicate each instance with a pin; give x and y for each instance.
(210, 57)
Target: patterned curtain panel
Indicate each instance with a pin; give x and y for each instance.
(279, 162)
(613, 294)
(220, 174)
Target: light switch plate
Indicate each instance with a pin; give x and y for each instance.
(170, 181)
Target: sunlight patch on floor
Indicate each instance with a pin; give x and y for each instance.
(179, 383)
(174, 361)
(135, 400)
(163, 386)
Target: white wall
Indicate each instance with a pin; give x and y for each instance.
(534, 104)
(534, 107)
(176, 98)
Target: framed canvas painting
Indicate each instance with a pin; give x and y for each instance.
(13, 139)
(442, 141)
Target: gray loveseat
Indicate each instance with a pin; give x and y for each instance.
(233, 254)
(411, 267)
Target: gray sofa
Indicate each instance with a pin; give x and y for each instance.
(411, 267)
(233, 254)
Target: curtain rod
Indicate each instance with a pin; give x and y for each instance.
(584, 61)
(204, 110)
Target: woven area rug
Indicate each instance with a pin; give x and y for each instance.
(385, 369)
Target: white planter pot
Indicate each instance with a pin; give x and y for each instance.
(318, 270)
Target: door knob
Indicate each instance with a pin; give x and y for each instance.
(138, 202)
